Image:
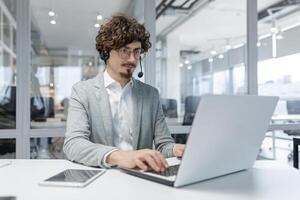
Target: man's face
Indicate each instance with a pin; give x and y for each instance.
(122, 62)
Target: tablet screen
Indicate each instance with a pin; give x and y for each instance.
(74, 175)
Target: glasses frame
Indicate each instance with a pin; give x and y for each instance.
(125, 53)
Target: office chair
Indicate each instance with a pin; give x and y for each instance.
(169, 107)
(293, 108)
(42, 108)
(7, 146)
(191, 105)
(8, 107)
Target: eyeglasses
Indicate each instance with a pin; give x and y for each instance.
(125, 53)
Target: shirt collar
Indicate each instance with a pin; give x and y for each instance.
(108, 80)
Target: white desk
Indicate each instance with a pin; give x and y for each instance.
(267, 180)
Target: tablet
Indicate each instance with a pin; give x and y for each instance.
(73, 178)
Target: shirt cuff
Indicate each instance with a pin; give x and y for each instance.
(104, 163)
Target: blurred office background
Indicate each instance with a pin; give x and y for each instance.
(199, 47)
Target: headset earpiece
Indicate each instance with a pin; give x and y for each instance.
(104, 55)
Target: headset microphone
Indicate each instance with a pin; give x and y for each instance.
(141, 74)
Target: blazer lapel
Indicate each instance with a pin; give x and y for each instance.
(104, 108)
(137, 100)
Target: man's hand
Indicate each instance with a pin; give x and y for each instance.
(178, 150)
(144, 159)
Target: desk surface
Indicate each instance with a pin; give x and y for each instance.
(267, 180)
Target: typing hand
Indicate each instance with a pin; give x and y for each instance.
(178, 150)
(144, 159)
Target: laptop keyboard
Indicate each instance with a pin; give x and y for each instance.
(170, 171)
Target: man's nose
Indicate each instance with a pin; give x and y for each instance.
(132, 58)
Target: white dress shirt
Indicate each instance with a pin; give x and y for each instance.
(120, 101)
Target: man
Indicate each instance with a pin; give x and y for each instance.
(114, 119)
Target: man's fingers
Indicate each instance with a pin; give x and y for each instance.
(141, 165)
(151, 163)
(163, 160)
(179, 150)
(159, 160)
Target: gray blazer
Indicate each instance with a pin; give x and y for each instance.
(89, 134)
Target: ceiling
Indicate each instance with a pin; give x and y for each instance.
(212, 26)
(75, 22)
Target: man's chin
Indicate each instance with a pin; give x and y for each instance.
(127, 75)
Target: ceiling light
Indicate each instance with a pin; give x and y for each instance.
(279, 36)
(90, 63)
(258, 44)
(274, 30)
(99, 17)
(180, 65)
(213, 52)
(51, 13)
(187, 62)
(227, 47)
(221, 56)
(210, 60)
(53, 22)
(189, 67)
(96, 25)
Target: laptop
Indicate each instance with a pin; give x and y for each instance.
(225, 137)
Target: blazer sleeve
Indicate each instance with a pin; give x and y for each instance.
(162, 138)
(77, 145)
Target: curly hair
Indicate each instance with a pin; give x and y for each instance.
(119, 31)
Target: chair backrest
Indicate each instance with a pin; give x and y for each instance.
(169, 107)
(191, 105)
(293, 107)
(8, 107)
(42, 108)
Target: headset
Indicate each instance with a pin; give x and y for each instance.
(104, 55)
(141, 74)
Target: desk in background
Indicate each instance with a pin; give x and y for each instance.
(267, 180)
(278, 122)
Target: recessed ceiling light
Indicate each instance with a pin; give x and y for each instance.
(210, 60)
(213, 52)
(221, 56)
(96, 25)
(189, 67)
(227, 47)
(258, 44)
(180, 65)
(274, 30)
(99, 17)
(51, 13)
(53, 22)
(187, 62)
(279, 37)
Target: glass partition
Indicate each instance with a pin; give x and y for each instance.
(63, 53)
(8, 64)
(200, 50)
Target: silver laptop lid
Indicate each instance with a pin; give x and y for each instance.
(225, 137)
